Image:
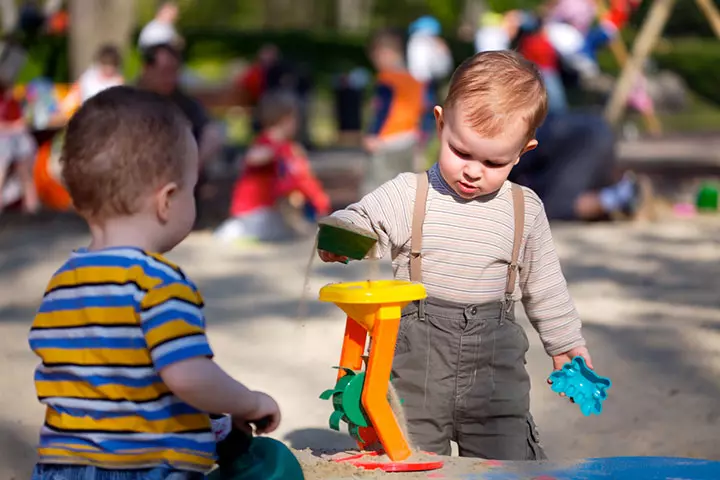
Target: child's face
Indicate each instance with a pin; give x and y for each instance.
(384, 58)
(474, 165)
(108, 70)
(288, 126)
(176, 202)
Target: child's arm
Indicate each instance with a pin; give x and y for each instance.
(546, 297)
(174, 330)
(259, 155)
(201, 383)
(385, 211)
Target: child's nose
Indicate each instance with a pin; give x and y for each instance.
(474, 172)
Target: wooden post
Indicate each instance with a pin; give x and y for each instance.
(620, 51)
(649, 33)
(94, 22)
(711, 13)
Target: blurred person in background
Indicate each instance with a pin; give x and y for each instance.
(160, 74)
(276, 195)
(161, 29)
(429, 61)
(17, 154)
(391, 138)
(103, 73)
(573, 171)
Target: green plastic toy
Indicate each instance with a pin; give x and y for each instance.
(707, 198)
(347, 403)
(244, 457)
(345, 239)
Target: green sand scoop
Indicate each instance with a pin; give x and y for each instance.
(345, 239)
(244, 457)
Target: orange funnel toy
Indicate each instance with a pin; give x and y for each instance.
(360, 398)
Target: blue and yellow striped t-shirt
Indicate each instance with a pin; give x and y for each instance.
(111, 320)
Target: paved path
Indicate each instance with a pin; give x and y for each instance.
(649, 296)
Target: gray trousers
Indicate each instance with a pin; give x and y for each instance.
(460, 370)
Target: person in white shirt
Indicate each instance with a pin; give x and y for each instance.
(429, 61)
(428, 56)
(104, 73)
(161, 30)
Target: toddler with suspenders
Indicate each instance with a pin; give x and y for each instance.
(479, 243)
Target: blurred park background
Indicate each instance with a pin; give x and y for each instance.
(329, 37)
(647, 292)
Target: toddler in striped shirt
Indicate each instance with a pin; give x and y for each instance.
(479, 244)
(126, 370)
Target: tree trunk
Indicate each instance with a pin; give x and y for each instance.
(470, 19)
(95, 22)
(9, 12)
(354, 16)
(278, 13)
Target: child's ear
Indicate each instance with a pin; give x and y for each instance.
(531, 145)
(439, 119)
(164, 199)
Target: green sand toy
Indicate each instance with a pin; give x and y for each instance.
(345, 239)
(244, 457)
(707, 197)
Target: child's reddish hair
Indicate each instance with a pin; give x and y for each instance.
(494, 87)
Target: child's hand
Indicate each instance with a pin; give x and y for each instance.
(296, 199)
(371, 144)
(328, 257)
(266, 416)
(563, 358)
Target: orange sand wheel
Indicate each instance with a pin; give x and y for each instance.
(374, 308)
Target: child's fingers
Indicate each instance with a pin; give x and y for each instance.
(331, 257)
(325, 256)
(269, 425)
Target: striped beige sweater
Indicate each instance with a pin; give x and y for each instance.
(466, 248)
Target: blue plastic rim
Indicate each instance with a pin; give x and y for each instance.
(581, 384)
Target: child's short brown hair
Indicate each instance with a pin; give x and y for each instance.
(492, 87)
(275, 107)
(120, 145)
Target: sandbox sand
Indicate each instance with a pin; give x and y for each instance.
(319, 465)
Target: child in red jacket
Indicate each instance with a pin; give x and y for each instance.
(276, 186)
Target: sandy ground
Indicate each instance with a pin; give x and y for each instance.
(649, 296)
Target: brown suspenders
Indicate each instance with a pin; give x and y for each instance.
(423, 186)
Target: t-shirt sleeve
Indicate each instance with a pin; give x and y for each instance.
(195, 113)
(545, 293)
(381, 104)
(199, 118)
(173, 324)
